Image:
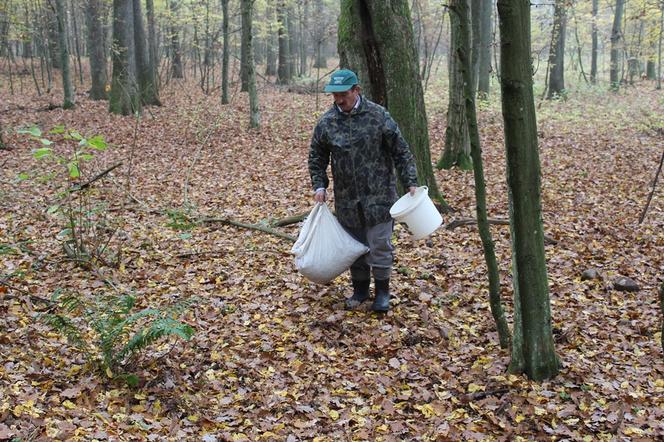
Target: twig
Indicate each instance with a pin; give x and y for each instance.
(247, 226)
(654, 185)
(501, 222)
(289, 220)
(24, 292)
(95, 178)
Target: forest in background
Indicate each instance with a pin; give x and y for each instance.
(147, 290)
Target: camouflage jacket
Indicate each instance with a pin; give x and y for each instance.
(364, 147)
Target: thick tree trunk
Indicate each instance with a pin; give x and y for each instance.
(61, 16)
(484, 71)
(593, 56)
(146, 85)
(533, 351)
(176, 55)
(376, 41)
(292, 44)
(225, 55)
(96, 51)
(616, 46)
(283, 71)
(124, 97)
(557, 52)
(153, 49)
(457, 142)
(254, 113)
(461, 6)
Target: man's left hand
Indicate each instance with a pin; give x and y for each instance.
(412, 190)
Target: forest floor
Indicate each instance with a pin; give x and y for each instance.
(275, 357)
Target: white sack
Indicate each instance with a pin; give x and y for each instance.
(324, 250)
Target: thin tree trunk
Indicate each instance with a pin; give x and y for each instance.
(270, 43)
(176, 56)
(659, 50)
(244, 75)
(145, 77)
(593, 57)
(475, 20)
(68, 102)
(77, 43)
(225, 53)
(153, 50)
(304, 25)
(460, 7)
(533, 350)
(484, 71)
(283, 74)
(247, 12)
(616, 47)
(557, 52)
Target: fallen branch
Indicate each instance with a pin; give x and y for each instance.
(289, 220)
(262, 228)
(479, 395)
(95, 178)
(496, 221)
(23, 292)
(654, 185)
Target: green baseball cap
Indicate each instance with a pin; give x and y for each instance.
(341, 81)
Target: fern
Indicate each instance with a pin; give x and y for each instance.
(118, 333)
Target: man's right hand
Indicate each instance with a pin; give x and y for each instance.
(319, 196)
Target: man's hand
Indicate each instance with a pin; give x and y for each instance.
(319, 196)
(412, 190)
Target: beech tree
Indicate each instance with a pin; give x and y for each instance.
(376, 41)
(125, 95)
(97, 54)
(250, 69)
(533, 350)
(61, 16)
(556, 81)
(616, 46)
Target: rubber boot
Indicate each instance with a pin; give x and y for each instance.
(360, 294)
(382, 301)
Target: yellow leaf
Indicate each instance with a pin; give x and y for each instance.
(109, 373)
(193, 418)
(18, 410)
(334, 414)
(633, 430)
(473, 388)
(69, 404)
(426, 409)
(382, 428)
(540, 411)
(519, 418)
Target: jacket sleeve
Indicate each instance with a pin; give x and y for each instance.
(404, 162)
(319, 158)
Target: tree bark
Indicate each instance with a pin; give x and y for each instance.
(659, 50)
(533, 350)
(247, 11)
(145, 75)
(376, 41)
(616, 47)
(475, 21)
(457, 142)
(153, 50)
(283, 71)
(61, 16)
(176, 56)
(96, 51)
(271, 42)
(557, 52)
(244, 58)
(593, 56)
(225, 53)
(124, 97)
(484, 71)
(460, 7)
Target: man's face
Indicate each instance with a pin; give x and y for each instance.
(346, 100)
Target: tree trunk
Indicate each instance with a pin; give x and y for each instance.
(176, 55)
(96, 51)
(460, 7)
(533, 351)
(376, 41)
(304, 25)
(283, 72)
(659, 45)
(61, 16)
(457, 142)
(292, 44)
(244, 57)
(319, 36)
(247, 11)
(593, 56)
(557, 52)
(146, 86)
(153, 49)
(475, 20)
(616, 46)
(124, 97)
(271, 43)
(77, 42)
(225, 54)
(484, 71)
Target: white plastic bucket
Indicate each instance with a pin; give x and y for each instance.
(418, 212)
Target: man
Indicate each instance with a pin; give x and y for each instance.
(364, 145)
